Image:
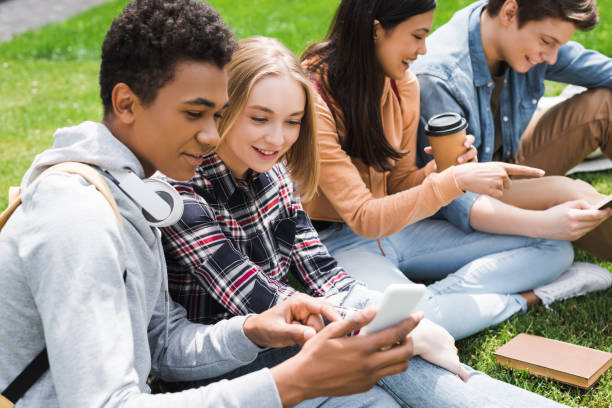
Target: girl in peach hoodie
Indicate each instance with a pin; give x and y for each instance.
(373, 203)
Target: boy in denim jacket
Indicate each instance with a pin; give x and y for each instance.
(489, 63)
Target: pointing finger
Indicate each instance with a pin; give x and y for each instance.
(519, 170)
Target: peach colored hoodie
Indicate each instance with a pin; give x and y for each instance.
(378, 204)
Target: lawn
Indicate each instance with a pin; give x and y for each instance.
(48, 79)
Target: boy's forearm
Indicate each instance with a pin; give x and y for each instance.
(291, 390)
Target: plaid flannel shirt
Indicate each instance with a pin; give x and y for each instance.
(238, 240)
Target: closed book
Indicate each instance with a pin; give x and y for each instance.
(565, 362)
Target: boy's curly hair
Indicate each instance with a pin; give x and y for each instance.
(146, 41)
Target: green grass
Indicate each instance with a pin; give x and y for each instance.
(48, 79)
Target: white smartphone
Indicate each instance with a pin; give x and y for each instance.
(398, 302)
(605, 203)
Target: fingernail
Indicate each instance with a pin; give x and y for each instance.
(309, 332)
(460, 160)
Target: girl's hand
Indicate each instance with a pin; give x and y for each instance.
(434, 344)
(491, 178)
(290, 322)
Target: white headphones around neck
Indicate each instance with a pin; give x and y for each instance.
(161, 204)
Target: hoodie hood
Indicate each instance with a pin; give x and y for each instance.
(90, 143)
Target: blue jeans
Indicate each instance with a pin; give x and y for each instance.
(478, 274)
(421, 385)
(426, 386)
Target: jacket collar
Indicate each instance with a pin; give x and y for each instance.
(482, 75)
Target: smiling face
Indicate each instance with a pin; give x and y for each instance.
(397, 47)
(266, 128)
(172, 133)
(534, 43)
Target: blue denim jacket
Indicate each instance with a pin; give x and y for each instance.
(454, 77)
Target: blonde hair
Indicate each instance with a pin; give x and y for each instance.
(256, 58)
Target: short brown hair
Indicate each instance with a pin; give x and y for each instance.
(256, 58)
(581, 13)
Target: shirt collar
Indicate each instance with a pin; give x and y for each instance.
(482, 75)
(222, 180)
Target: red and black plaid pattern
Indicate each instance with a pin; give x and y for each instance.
(237, 242)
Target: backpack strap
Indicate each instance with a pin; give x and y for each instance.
(82, 169)
(13, 193)
(40, 364)
(25, 380)
(9, 211)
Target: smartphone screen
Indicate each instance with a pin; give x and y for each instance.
(398, 302)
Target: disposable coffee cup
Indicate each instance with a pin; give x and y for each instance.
(446, 133)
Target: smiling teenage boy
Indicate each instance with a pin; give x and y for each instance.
(92, 291)
(489, 63)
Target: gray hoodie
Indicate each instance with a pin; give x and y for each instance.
(63, 256)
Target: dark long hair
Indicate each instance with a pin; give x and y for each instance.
(351, 74)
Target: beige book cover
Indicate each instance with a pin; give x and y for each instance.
(565, 362)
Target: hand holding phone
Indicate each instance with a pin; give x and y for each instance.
(605, 203)
(398, 302)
